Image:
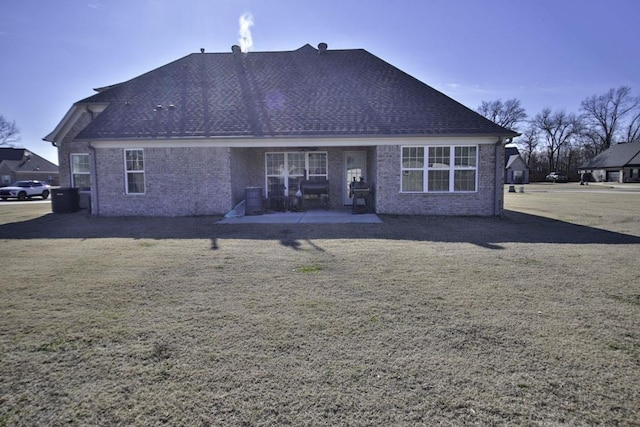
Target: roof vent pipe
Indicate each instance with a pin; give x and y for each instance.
(322, 47)
(236, 49)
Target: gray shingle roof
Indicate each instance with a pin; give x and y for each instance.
(15, 160)
(510, 152)
(279, 94)
(512, 159)
(616, 156)
(11, 153)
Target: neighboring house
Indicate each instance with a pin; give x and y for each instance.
(618, 163)
(18, 164)
(190, 137)
(516, 170)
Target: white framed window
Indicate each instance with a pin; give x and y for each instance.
(412, 169)
(439, 169)
(317, 165)
(134, 171)
(81, 171)
(285, 170)
(465, 168)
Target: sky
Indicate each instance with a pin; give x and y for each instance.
(546, 53)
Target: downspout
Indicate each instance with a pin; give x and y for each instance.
(498, 188)
(95, 206)
(94, 175)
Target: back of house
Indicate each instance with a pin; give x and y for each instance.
(190, 137)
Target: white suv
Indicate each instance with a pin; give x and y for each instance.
(23, 190)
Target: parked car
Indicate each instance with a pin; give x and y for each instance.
(23, 190)
(557, 177)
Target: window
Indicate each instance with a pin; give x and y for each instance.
(80, 172)
(134, 171)
(412, 169)
(317, 165)
(439, 166)
(286, 170)
(439, 169)
(465, 164)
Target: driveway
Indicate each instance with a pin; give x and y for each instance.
(599, 187)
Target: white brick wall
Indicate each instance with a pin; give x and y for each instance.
(389, 200)
(183, 181)
(178, 182)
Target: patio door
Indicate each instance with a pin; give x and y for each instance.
(285, 170)
(355, 167)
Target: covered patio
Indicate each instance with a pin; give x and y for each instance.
(323, 173)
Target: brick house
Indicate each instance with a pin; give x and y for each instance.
(189, 137)
(618, 163)
(17, 164)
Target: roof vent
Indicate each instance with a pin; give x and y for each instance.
(201, 50)
(322, 47)
(236, 49)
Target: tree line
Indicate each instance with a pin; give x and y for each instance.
(555, 140)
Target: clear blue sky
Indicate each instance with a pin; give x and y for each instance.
(547, 53)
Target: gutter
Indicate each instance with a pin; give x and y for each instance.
(56, 136)
(498, 189)
(297, 137)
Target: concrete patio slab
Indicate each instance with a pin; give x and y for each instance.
(333, 216)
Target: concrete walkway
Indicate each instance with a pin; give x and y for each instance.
(332, 216)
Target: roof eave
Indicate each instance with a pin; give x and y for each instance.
(67, 122)
(63, 126)
(500, 138)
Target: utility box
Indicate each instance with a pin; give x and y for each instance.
(65, 200)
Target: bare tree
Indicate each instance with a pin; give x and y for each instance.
(508, 114)
(633, 127)
(604, 116)
(537, 166)
(589, 141)
(570, 158)
(528, 142)
(558, 129)
(9, 132)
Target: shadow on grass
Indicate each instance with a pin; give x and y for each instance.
(491, 232)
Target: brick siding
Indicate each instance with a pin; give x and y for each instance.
(211, 180)
(389, 199)
(178, 182)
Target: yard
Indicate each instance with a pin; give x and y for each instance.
(532, 319)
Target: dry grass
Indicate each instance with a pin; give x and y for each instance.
(527, 320)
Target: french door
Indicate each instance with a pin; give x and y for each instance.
(355, 167)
